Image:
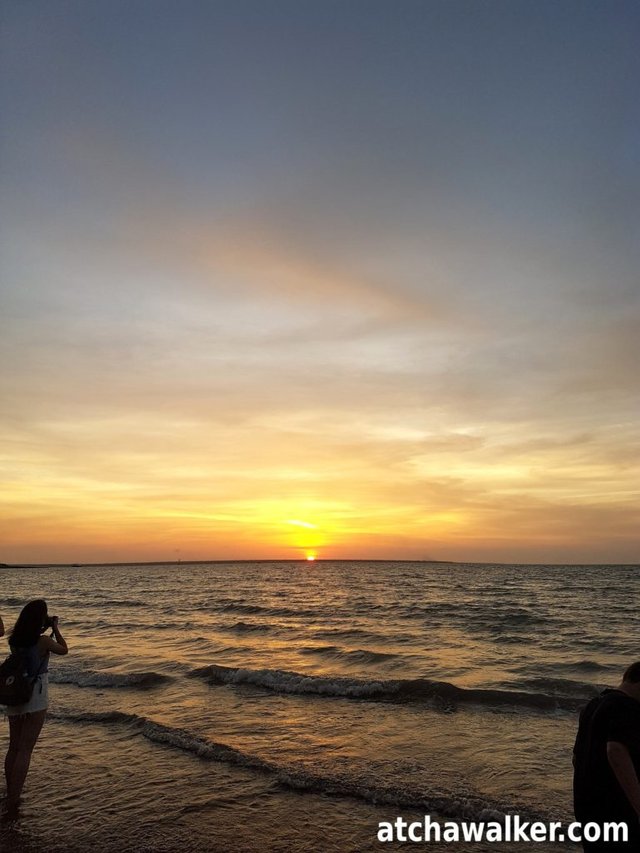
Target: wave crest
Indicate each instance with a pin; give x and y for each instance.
(248, 628)
(442, 693)
(348, 655)
(91, 678)
(458, 805)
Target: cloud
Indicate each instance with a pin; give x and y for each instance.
(408, 306)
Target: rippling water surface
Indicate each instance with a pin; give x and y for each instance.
(293, 706)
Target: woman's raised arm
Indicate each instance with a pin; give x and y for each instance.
(59, 645)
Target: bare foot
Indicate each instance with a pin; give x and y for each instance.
(11, 810)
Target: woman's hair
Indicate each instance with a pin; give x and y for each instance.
(30, 623)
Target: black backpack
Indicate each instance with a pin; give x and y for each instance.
(16, 682)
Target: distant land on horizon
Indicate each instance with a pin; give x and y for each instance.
(207, 562)
(291, 560)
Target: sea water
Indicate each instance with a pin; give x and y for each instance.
(293, 706)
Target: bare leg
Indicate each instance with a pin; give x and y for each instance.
(23, 734)
(15, 728)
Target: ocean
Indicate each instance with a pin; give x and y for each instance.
(293, 706)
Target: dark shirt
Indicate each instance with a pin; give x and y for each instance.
(611, 716)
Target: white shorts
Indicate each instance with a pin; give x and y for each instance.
(39, 698)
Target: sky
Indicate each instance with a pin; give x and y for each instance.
(287, 279)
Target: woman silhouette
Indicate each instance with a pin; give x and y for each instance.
(26, 721)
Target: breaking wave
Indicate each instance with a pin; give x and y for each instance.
(454, 804)
(91, 678)
(441, 693)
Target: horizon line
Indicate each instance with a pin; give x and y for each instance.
(293, 560)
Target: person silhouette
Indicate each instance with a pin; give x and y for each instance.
(606, 760)
(26, 721)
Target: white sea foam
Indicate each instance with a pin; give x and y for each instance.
(459, 804)
(442, 693)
